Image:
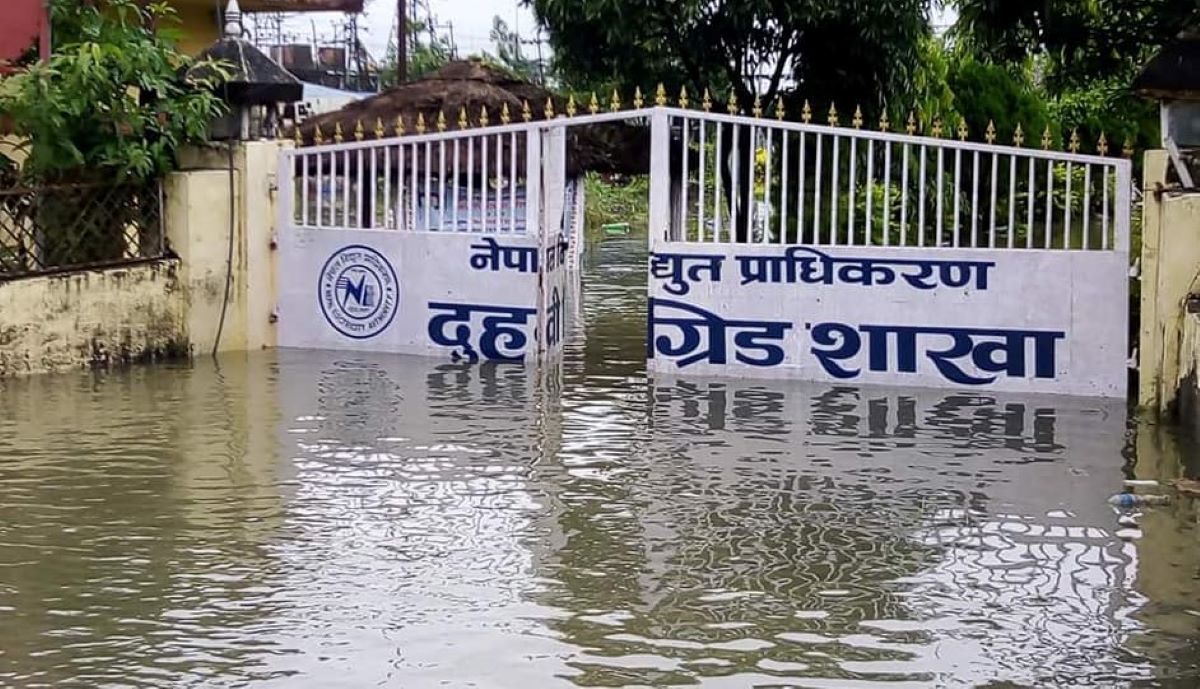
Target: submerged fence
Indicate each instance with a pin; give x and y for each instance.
(736, 179)
(57, 227)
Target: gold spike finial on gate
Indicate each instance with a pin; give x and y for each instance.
(526, 111)
(441, 121)
(962, 129)
(857, 120)
(1018, 136)
(594, 104)
(379, 128)
(706, 101)
(660, 95)
(483, 116)
(614, 103)
(779, 113)
(421, 123)
(359, 132)
(884, 125)
(683, 97)
(833, 115)
(638, 101)
(1047, 139)
(990, 134)
(399, 125)
(756, 109)
(462, 118)
(937, 130)
(911, 126)
(318, 135)
(1073, 145)
(1102, 145)
(337, 133)
(571, 107)
(549, 110)
(1127, 149)
(732, 106)
(505, 117)
(806, 112)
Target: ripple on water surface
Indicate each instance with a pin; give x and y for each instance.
(336, 520)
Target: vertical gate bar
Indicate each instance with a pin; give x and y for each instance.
(941, 193)
(887, 193)
(456, 152)
(1032, 204)
(718, 176)
(470, 203)
(357, 190)
(303, 159)
(683, 191)
(1012, 198)
(733, 193)
(816, 223)
(443, 216)
(835, 160)
(428, 165)
(1067, 201)
(921, 202)
(483, 182)
(512, 182)
(387, 187)
(1087, 205)
(751, 175)
(660, 178)
(345, 176)
(783, 189)
(870, 188)
(904, 197)
(975, 200)
(800, 190)
(766, 225)
(533, 180)
(703, 154)
(499, 182)
(1104, 211)
(853, 184)
(1049, 200)
(374, 186)
(992, 210)
(957, 197)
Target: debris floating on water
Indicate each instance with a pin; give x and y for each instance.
(1134, 500)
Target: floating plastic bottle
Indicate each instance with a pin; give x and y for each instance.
(1134, 500)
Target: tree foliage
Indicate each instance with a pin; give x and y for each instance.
(846, 50)
(110, 103)
(428, 50)
(511, 56)
(1082, 40)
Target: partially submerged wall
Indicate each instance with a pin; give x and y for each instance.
(102, 317)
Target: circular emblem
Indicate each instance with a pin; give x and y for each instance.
(358, 292)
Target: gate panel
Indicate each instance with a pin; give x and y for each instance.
(824, 253)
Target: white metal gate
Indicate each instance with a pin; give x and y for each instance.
(778, 249)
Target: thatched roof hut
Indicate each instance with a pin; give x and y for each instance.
(473, 85)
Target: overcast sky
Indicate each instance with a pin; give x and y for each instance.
(471, 20)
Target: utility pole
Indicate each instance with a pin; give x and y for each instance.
(401, 43)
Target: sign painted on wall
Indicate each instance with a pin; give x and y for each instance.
(358, 291)
(1037, 321)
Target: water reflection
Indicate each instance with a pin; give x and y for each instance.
(333, 520)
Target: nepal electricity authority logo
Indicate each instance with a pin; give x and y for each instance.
(358, 292)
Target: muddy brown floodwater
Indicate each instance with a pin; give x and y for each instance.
(310, 519)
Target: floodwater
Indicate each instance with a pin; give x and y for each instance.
(303, 519)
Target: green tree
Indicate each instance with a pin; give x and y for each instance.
(428, 51)
(110, 104)
(510, 55)
(843, 50)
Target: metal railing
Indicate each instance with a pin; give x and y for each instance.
(742, 179)
(57, 227)
(463, 180)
